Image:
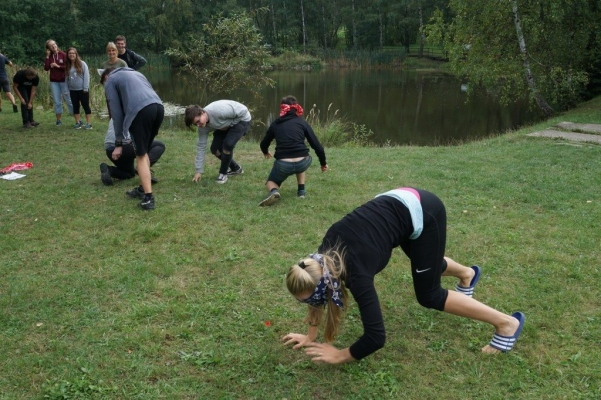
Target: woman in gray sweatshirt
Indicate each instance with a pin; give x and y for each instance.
(78, 81)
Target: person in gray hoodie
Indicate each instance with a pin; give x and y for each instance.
(134, 106)
(229, 121)
(78, 81)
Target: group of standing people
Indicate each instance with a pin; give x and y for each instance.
(69, 81)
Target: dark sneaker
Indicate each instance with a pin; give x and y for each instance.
(87, 127)
(15, 108)
(221, 179)
(33, 123)
(301, 194)
(105, 175)
(27, 125)
(147, 203)
(78, 125)
(271, 199)
(58, 123)
(136, 193)
(233, 172)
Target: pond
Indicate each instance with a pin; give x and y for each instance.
(399, 107)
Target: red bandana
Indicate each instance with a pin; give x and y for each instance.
(285, 108)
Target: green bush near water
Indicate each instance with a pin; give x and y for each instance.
(101, 300)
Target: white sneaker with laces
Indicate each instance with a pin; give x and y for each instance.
(221, 179)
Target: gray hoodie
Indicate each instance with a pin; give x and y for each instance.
(223, 114)
(76, 81)
(127, 92)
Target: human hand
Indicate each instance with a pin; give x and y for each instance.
(325, 353)
(296, 338)
(47, 53)
(324, 168)
(267, 155)
(29, 106)
(117, 153)
(197, 177)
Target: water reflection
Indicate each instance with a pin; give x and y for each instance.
(400, 107)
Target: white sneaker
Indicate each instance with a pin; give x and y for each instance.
(221, 179)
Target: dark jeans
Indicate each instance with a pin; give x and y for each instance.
(281, 170)
(226, 141)
(124, 166)
(26, 114)
(79, 96)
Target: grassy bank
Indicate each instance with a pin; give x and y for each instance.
(102, 300)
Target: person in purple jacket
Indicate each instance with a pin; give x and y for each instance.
(358, 247)
(56, 62)
(291, 154)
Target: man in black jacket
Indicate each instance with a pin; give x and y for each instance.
(133, 60)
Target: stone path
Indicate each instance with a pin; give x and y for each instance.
(567, 132)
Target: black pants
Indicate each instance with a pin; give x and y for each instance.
(80, 97)
(26, 113)
(226, 141)
(124, 166)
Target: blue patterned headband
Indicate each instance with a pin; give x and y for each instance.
(320, 295)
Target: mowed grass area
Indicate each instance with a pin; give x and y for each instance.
(99, 299)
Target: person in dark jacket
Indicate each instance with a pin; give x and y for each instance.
(133, 60)
(291, 154)
(358, 247)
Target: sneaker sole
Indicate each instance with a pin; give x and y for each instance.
(105, 175)
(270, 200)
(234, 173)
(221, 182)
(147, 207)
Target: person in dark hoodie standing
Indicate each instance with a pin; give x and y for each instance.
(134, 106)
(291, 154)
(133, 60)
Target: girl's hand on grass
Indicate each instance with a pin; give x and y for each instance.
(197, 177)
(327, 353)
(300, 340)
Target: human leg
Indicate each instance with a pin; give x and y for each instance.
(85, 103)
(75, 97)
(24, 111)
(157, 148)
(56, 90)
(233, 135)
(66, 96)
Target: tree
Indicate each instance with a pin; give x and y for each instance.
(512, 47)
(229, 54)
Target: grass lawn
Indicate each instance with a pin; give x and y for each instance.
(99, 299)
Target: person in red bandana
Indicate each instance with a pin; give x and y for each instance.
(291, 153)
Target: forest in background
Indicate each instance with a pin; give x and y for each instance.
(550, 49)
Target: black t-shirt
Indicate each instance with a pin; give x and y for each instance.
(21, 80)
(368, 235)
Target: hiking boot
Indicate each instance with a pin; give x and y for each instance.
(233, 172)
(87, 127)
(15, 108)
(27, 125)
(78, 125)
(136, 193)
(34, 123)
(301, 194)
(272, 198)
(105, 175)
(147, 203)
(221, 179)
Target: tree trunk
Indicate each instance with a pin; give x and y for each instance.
(275, 32)
(325, 29)
(354, 26)
(540, 101)
(422, 38)
(381, 27)
(304, 31)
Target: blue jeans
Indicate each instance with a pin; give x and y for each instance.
(283, 169)
(60, 91)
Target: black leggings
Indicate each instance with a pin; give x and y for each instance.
(427, 253)
(79, 96)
